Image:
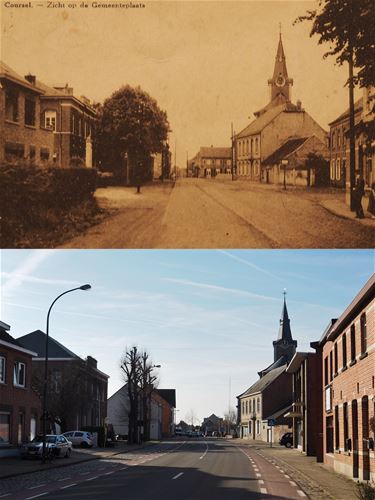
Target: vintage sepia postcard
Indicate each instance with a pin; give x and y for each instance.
(176, 124)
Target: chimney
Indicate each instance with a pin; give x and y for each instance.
(92, 362)
(64, 89)
(31, 79)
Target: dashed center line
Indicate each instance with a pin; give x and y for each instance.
(177, 475)
(263, 490)
(292, 483)
(38, 486)
(36, 496)
(68, 486)
(301, 493)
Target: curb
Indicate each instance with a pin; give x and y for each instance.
(79, 461)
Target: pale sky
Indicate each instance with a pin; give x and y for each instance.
(207, 317)
(206, 63)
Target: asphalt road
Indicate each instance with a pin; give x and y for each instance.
(186, 470)
(201, 213)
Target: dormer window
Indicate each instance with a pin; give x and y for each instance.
(50, 120)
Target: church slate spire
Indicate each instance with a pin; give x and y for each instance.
(284, 346)
(280, 84)
(284, 329)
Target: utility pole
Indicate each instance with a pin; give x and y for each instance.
(187, 164)
(351, 129)
(233, 152)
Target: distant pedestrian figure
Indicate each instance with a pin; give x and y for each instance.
(371, 201)
(359, 191)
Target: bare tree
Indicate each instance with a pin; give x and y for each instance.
(137, 373)
(191, 417)
(230, 419)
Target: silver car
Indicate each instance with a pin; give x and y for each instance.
(57, 445)
(80, 438)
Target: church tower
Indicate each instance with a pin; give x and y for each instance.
(284, 346)
(280, 84)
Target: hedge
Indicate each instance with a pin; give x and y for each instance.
(35, 198)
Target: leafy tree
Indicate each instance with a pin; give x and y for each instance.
(230, 420)
(320, 166)
(349, 27)
(132, 126)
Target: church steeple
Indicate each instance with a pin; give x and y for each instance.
(284, 345)
(280, 84)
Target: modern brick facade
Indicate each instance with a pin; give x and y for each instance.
(348, 371)
(307, 406)
(77, 389)
(20, 405)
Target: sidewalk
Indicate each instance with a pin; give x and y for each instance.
(317, 481)
(15, 466)
(339, 208)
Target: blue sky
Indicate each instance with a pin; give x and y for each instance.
(208, 317)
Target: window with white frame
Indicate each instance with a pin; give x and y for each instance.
(50, 120)
(338, 173)
(19, 374)
(332, 173)
(4, 428)
(2, 369)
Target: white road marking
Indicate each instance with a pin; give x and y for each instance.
(301, 493)
(5, 495)
(64, 479)
(92, 478)
(205, 453)
(34, 487)
(177, 475)
(109, 473)
(264, 491)
(292, 483)
(286, 475)
(36, 496)
(68, 486)
(258, 475)
(260, 481)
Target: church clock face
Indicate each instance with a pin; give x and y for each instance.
(280, 81)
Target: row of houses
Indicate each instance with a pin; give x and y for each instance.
(50, 125)
(77, 396)
(325, 397)
(285, 145)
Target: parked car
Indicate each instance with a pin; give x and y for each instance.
(58, 445)
(287, 439)
(80, 438)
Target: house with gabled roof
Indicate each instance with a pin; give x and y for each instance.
(77, 388)
(20, 404)
(274, 124)
(289, 164)
(210, 162)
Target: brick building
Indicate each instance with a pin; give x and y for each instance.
(167, 399)
(271, 396)
(274, 124)
(20, 405)
(40, 123)
(340, 144)
(22, 130)
(210, 161)
(77, 388)
(348, 371)
(306, 411)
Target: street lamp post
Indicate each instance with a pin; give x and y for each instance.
(284, 163)
(45, 384)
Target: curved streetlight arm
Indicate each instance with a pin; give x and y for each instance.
(45, 385)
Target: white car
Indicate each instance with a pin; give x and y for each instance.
(80, 438)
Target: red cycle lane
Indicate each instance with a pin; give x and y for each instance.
(271, 477)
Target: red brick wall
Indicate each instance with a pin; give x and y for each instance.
(18, 400)
(352, 384)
